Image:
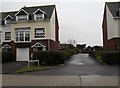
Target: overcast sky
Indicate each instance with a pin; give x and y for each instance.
(78, 19)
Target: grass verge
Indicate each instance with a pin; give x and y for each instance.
(30, 69)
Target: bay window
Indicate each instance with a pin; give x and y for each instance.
(22, 36)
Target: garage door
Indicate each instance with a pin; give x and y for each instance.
(22, 54)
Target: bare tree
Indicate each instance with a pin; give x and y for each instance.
(72, 42)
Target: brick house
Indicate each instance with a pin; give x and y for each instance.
(29, 29)
(111, 26)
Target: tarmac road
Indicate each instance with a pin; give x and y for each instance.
(81, 64)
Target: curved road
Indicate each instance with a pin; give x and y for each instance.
(81, 64)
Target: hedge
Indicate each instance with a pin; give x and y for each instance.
(111, 57)
(50, 57)
(7, 56)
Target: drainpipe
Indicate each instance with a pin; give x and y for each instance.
(48, 44)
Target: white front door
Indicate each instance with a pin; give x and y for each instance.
(22, 54)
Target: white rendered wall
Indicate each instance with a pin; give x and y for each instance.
(112, 25)
(5, 28)
(119, 27)
(52, 25)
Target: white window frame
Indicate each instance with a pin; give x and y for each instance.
(6, 37)
(42, 15)
(6, 47)
(23, 18)
(39, 16)
(38, 45)
(24, 35)
(7, 20)
(27, 14)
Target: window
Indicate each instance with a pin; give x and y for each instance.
(7, 35)
(39, 32)
(7, 21)
(38, 47)
(39, 16)
(22, 17)
(22, 36)
(6, 48)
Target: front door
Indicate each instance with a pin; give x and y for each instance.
(22, 54)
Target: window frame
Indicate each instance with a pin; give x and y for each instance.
(42, 13)
(22, 38)
(38, 35)
(38, 16)
(8, 37)
(23, 17)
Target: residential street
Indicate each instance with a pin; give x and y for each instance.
(81, 71)
(81, 64)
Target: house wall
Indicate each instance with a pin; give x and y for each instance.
(114, 44)
(0, 34)
(119, 27)
(5, 28)
(112, 25)
(52, 25)
(104, 27)
(49, 32)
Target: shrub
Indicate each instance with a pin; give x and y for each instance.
(92, 53)
(67, 54)
(111, 57)
(50, 57)
(95, 54)
(7, 57)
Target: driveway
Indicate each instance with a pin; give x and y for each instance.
(81, 64)
(78, 64)
(11, 67)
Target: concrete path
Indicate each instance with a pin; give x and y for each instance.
(81, 81)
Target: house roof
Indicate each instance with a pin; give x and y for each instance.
(114, 8)
(48, 9)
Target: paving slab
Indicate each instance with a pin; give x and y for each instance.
(99, 81)
(30, 80)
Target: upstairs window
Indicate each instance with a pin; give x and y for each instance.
(39, 32)
(39, 14)
(8, 19)
(22, 18)
(7, 35)
(22, 15)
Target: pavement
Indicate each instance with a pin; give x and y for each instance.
(62, 81)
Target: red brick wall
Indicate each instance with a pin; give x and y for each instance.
(54, 45)
(114, 44)
(104, 26)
